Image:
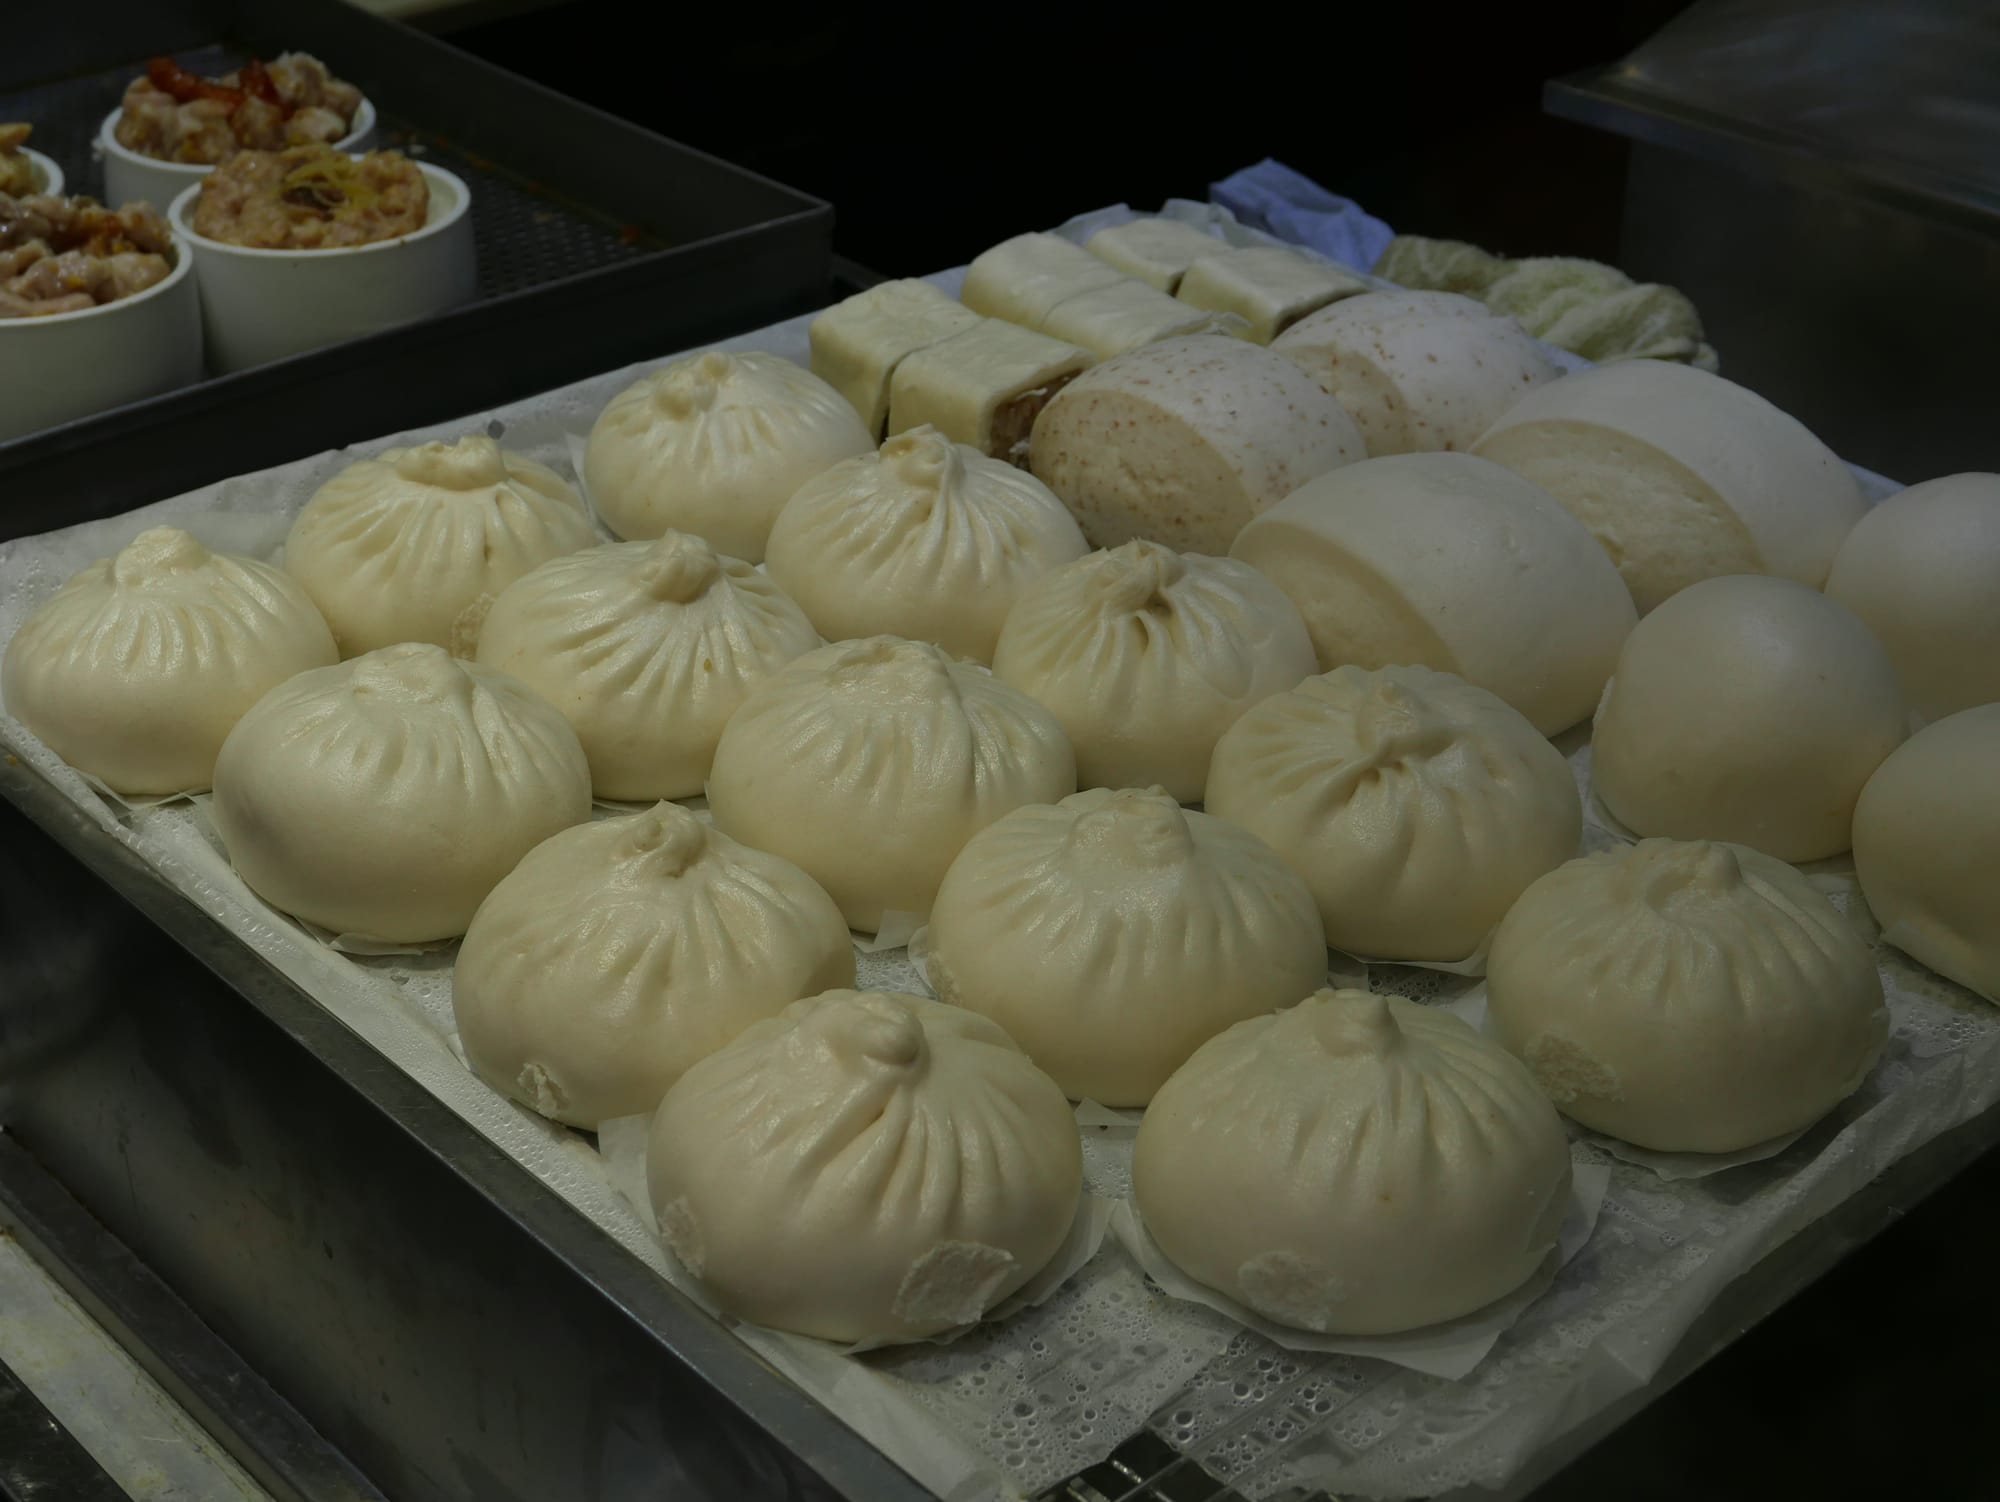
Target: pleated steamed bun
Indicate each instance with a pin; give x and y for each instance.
(1922, 570)
(386, 796)
(715, 444)
(415, 544)
(1355, 1165)
(1416, 807)
(647, 648)
(866, 1166)
(1681, 475)
(1686, 996)
(1417, 371)
(1747, 709)
(620, 953)
(1927, 847)
(1115, 933)
(927, 539)
(141, 664)
(1146, 656)
(870, 764)
(1449, 562)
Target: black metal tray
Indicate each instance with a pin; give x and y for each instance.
(599, 244)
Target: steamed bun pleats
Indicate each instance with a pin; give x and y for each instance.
(1147, 656)
(416, 543)
(1686, 996)
(1356, 1165)
(715, 444)
(1416, 807)
(647, 648)
(813, 1172)
(385, 797)
(1115, 932)
(926, 539)
(870, 763)
(620, 953)
(137, 669)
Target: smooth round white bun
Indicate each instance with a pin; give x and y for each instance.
(1927, 847)
(865, 1166)
(647, 648)
(385, 797)
(870, 764)
(715, 444)
(416, 543)
(1453, 563)
(1147, 656)
(620, 953)
(1922, 570)
(926, 539)
(137, 669)
(1417, 371)
(1415, 806)
(1356, 1165)
(1183, 441)
(1681, 475)
(1686, 996)
(1113, 934)
(1746, 709)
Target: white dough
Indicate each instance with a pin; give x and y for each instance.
(1270, 287)
(1681, 475)
(1453, 563)
(1927, 847)
(1687, 997)
(1184, 441)
(1156, 251)
(416, 543)
(858, 343)
(385, 797)
(870, 764)
(1746, 709)
(139, 666)
(1119, 318)
(647, 648)
(1021, 279)
(620, 953)
(1115, 933)
(1357, 1165)
(926, 539)
(715, 444)
(865, 1166)
(1416, 806)
(1417, 371)
(1147, 656)
(1922, 570)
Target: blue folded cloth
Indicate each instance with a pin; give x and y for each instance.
(1272, 197)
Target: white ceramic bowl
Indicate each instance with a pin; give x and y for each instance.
(261, 305)
(67, 365)
(130, 177)
(48, 176)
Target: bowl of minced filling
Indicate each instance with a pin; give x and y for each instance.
(311, 198)
(173, 125)
(98, 307)
(309, 246)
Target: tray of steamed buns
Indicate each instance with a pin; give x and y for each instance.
(1149, 834)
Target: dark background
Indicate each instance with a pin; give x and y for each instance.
(936, 132)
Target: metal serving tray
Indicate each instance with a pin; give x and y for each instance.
(599, 243)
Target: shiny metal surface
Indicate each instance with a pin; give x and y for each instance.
(39, 1460)
(454, 1330)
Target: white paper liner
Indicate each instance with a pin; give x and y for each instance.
(1090, 1114)
(1450, 1350)
(1011, 1408)
(1473, 964)
(897, 929)
(622, 1143)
